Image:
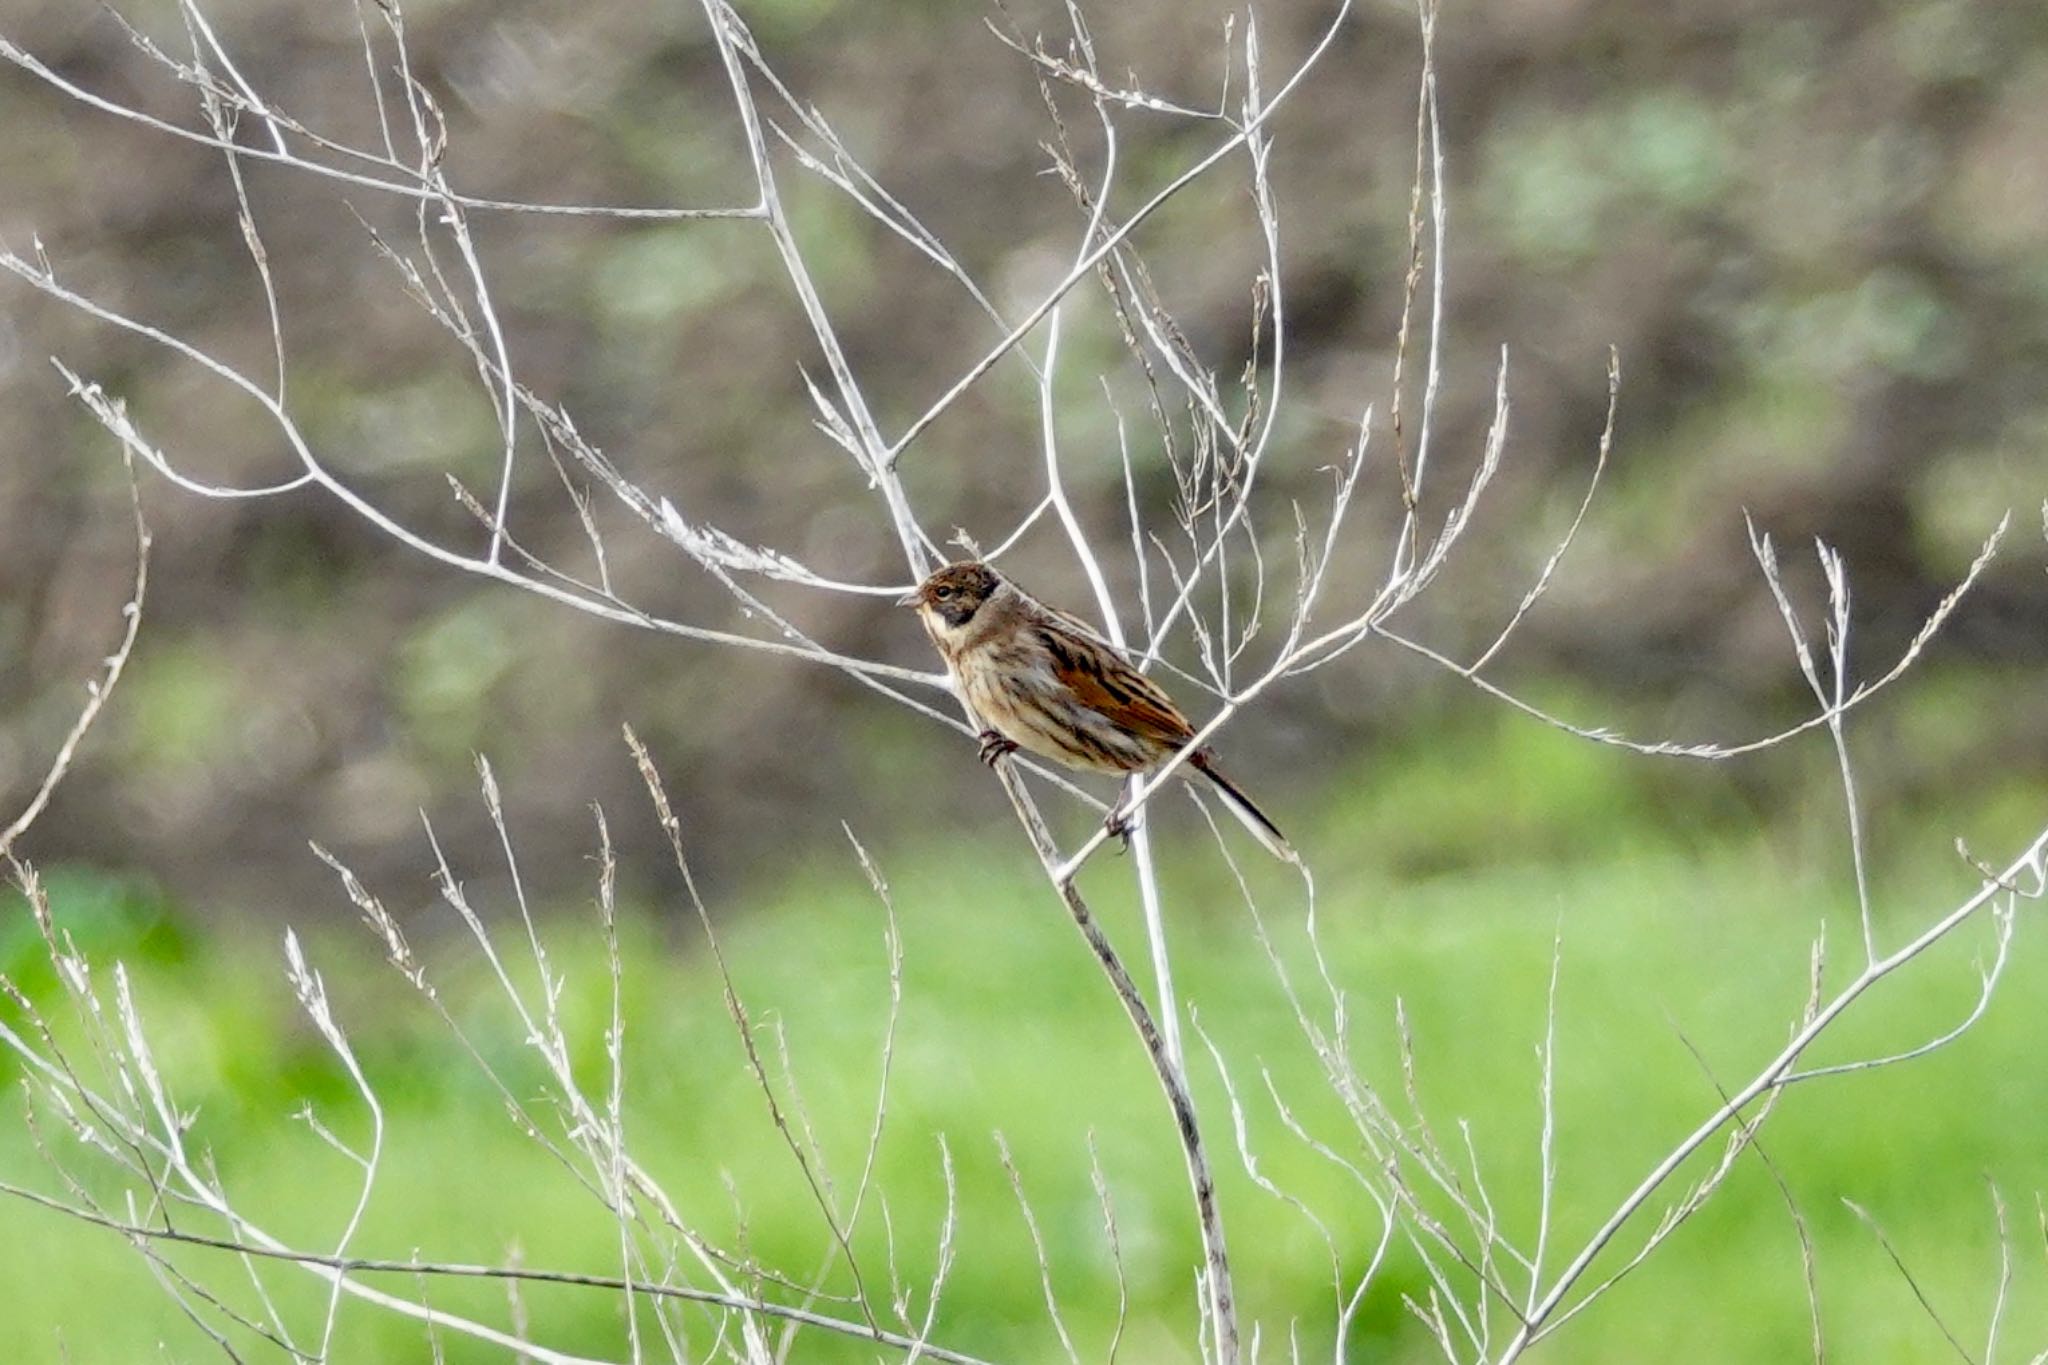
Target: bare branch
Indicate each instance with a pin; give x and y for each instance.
(97, 691)
(362, 1265)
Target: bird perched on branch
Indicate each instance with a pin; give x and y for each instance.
(1043, 681)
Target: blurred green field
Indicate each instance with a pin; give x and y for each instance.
(1686, 918)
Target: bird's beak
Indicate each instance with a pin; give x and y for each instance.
(913, 598)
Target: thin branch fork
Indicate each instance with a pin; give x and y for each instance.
(1114, 239)
(2032, 863)
(1217, 1283)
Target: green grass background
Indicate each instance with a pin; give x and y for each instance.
(1686, 915)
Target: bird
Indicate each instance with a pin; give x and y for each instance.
(1044, 681)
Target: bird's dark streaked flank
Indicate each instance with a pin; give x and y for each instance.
(1043, 681)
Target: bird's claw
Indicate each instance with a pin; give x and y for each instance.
(1120, 824)
(995, 745)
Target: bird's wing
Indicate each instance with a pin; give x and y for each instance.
(1075, 624)
(1101, 681)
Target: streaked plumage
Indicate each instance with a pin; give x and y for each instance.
(1043, 681)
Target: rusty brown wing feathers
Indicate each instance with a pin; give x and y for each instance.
(1091, 670)
(1100, 681)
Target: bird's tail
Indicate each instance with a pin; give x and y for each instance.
(1248, 814)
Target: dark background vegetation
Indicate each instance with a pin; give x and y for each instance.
(1817, 236)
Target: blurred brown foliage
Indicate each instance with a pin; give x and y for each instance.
(1817, 235)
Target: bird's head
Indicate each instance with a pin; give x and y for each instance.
(952, 595)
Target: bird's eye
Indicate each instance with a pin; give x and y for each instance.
(942, 592)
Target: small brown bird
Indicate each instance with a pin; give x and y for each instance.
(1046, 682)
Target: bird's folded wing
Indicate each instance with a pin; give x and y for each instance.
(1101, 682)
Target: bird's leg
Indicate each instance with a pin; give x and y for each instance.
(995, 745)
(1122, 818)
